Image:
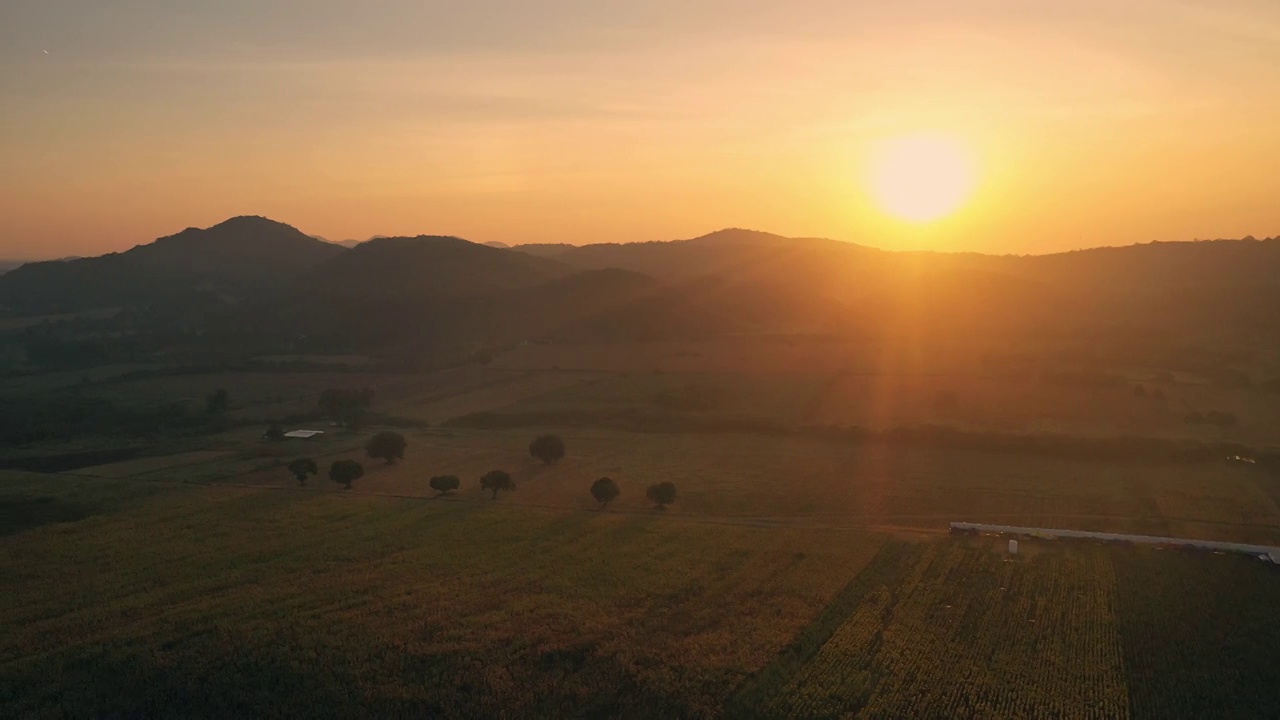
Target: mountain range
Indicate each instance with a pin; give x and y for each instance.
(266, 279)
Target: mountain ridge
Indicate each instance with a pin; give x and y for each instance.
(256, 272)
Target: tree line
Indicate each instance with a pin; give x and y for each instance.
(390, 447)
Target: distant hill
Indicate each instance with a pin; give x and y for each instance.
(1202, 288)
(239, 256)
(255, 281)
(426, 266)
(340, 243)
(725, 251)
(496, 244)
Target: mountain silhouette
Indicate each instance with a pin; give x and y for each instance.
(438, 294)
(240, 256)
(427, 266)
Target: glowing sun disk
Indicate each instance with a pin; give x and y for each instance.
(921, 177)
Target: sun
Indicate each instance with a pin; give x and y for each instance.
(921, 178)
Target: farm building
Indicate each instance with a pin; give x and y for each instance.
(303, 434)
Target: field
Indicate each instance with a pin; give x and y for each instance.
(246, 599)
(955, 630)
(842, 484)
(974, 402)
(803, 570)
(145, 598)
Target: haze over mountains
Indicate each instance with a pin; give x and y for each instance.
(251, 277)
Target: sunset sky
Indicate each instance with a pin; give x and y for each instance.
(1088, 122)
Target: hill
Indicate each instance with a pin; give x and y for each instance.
(252, 281)
(426, 266)
(231, 260)
(1179, 290)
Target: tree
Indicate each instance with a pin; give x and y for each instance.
(344, 472)
(302, 468)
(496, 480)
(217, 402)
(445, 484)
(386, 445)
(662, 494)
(605, 491)
(547, 448)
(275, 433)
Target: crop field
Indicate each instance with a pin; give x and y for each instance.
(264, 395)
(134, 598)
(785, 479)
(796, 575)
(782, 479)
(161, 463)
(227, 601)
(256, 393)
(44, 382)
(970, 401)
(951, 630)
(494, 389)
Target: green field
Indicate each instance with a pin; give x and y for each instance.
(142, 598)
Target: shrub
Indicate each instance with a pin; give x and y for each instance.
(387, 446)
(445, 484)
(662, 494)
(302, 468)
(547, 448)
(605, 491)
(496, 480)
(344, 472)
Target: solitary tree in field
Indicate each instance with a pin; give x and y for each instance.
(344, 472)
(302, 468)
(387, 446)
(662, 494)
(547, 448)
(445, 484)
(605, 491)
(217, 402)
(496, 480)
(275, 433)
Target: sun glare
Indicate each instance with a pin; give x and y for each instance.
(921, 178)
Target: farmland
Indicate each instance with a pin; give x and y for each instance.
(804, 569)
(153, 598)
(744, 476)
(954, 630)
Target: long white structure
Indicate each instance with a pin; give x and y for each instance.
(1266, 552)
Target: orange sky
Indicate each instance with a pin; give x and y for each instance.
(572, 121)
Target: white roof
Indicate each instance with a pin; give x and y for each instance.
(304, 434)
